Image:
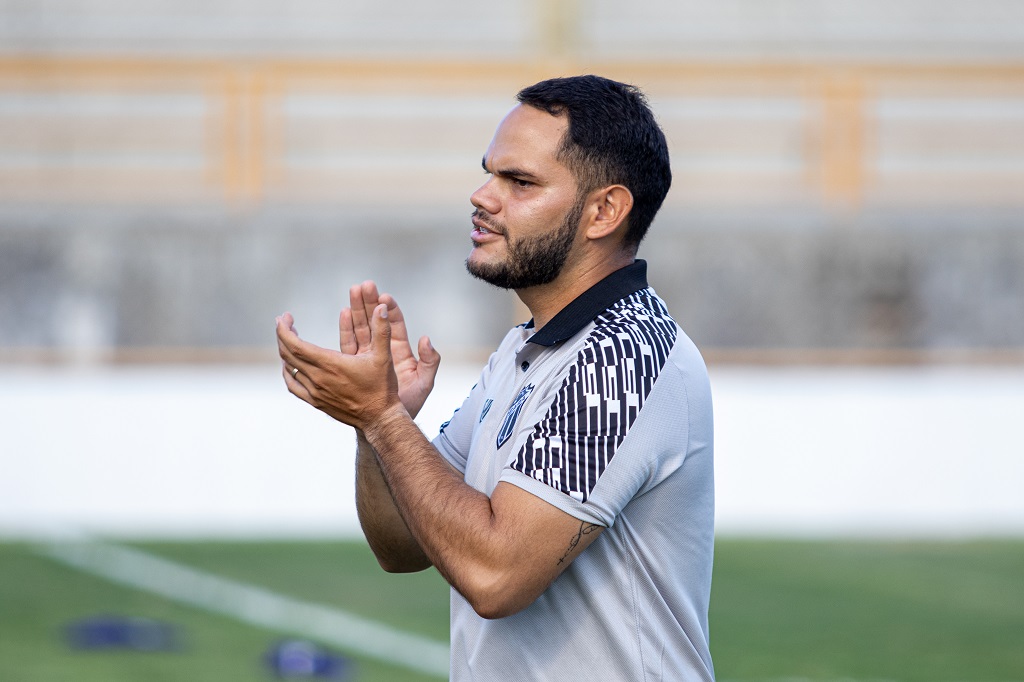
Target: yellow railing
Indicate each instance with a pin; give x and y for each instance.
(249, 131)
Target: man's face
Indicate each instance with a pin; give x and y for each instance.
(528, 212)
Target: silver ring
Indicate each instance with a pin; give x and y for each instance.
(295, 372)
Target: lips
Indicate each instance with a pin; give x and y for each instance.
(483, 231)
(483, 226)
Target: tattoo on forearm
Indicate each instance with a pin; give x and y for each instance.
(585, 529)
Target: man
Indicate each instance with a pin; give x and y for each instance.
(569, 501)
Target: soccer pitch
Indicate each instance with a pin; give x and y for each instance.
(781, 610)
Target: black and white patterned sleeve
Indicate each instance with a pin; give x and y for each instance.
(600, 397)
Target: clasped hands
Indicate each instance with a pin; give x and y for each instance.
(373, 372)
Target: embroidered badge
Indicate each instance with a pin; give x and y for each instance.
(487, 408)
(512, 415)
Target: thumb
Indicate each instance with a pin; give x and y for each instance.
(429, 357)
(380, 327)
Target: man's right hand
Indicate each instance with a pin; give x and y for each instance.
(415, 376)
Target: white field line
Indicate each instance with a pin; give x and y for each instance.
(262, 608)
(253, 605)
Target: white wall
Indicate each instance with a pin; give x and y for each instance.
(225, 451)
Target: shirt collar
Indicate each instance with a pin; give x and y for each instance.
(591, 303)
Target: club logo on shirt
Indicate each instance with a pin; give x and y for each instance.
(487, 408)
(508, 426)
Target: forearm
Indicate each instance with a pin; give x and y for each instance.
(453, 523)
(385, 530)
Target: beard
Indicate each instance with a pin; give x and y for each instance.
(533, 261)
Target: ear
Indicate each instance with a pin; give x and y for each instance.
(609, 208)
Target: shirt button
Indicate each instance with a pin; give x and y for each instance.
(525, 366)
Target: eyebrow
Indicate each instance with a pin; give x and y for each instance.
(508, 172)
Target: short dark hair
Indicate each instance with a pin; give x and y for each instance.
(613, 139)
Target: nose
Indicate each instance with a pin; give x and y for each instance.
(486, 198)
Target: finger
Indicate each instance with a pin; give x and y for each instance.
(294, 382)
(381, 331)
(360, 316)
(288, 323)
(371, 297)
(430, 359)
(426, 368)
(296, 353)
(347, 332)
(285, 337)
(369, 300)
(400, 345)
(395, 315)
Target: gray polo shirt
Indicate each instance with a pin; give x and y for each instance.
(605, 413)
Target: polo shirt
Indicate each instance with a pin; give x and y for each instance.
(605, 413)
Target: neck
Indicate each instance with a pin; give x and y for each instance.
(547, 300)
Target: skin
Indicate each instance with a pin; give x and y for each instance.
(529, 191)
(499, 551)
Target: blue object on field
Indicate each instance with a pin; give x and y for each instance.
(122, 632)
(299, 658)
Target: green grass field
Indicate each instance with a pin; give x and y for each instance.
(928, 611)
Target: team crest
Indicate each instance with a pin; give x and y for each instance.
(508, 426)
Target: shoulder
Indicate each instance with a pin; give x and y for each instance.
(637, 327)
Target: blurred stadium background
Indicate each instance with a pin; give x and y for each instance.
(844, 240)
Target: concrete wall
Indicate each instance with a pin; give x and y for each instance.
(911, 281)
(81, 283)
